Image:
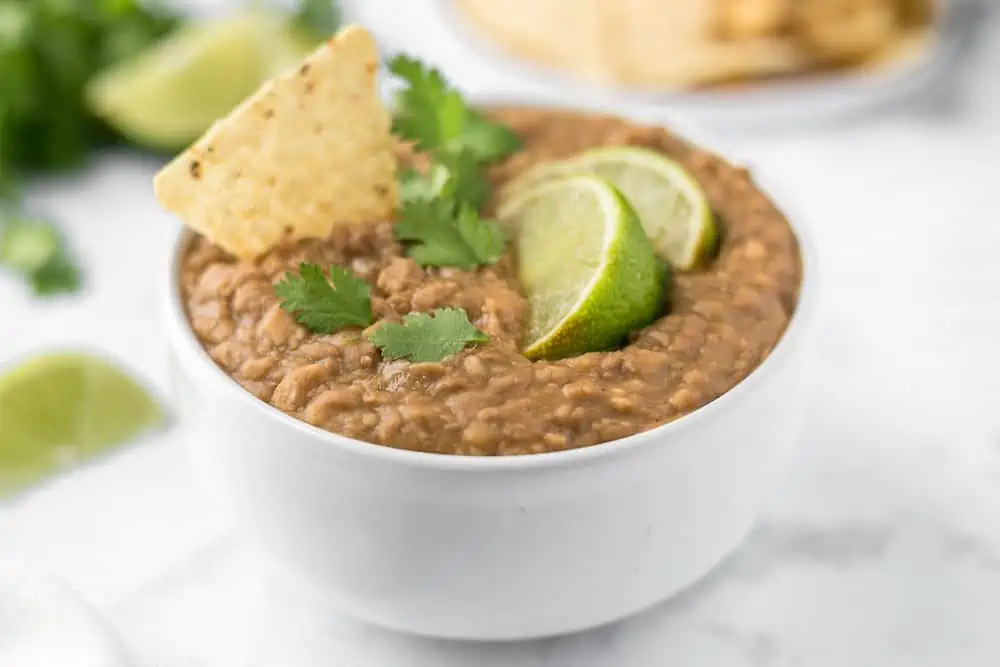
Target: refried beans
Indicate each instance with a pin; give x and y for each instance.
(719, 323)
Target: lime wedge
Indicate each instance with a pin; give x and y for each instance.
(59, 409)
(589, 271)
(671, 205)
(168, 95)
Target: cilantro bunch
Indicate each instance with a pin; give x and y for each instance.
(36, 250)
(49, 50)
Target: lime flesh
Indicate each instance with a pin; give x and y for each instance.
(588, 269)
(671, 205)
(167, 96)
(59, 409)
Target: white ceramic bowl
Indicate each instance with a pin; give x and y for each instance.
(495, 548)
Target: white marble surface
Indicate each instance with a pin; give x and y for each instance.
(882, 548)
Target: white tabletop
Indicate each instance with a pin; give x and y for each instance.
(882, 547)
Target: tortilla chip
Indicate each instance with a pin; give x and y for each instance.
(843, 30)
(904, 46)
(310, 150)
(749, 19)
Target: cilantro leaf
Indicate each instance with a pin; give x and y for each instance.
(461, 179)
(455, 176)
(427, 112)
(486, 139)
(319, 17)
(57, 275)
(325, 306)
(427, 336)
(436, 118)
(442, 235)
(414, 185)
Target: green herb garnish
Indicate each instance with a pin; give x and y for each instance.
(57, 276)
(325, 305)
(319, 17)
(438, 219)
(454, 176)
(441, 235)
(35, 250)
(437, 118)
(427, 336)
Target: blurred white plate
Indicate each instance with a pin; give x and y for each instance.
(778, 103)
(44, 624)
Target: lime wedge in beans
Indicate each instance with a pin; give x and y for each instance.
(168, 95)
(671, 205)
(60, 409)
(587, 267)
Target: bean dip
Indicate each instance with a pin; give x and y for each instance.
(719, 323)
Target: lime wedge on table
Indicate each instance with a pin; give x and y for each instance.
(671, 205)
(168, 95)
(589, 271)
(59, 409)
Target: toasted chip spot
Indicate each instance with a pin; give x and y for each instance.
(310, 150)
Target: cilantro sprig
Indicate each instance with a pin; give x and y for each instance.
(437, 118)
(441, 235)
(427, 336)
(322, 305)
(439, 219)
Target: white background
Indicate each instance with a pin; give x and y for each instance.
(882, 548)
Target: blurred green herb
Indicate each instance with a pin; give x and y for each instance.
(452, 175)
(49, 50)
(320, 17)
(35, 250)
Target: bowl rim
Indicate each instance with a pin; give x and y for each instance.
(182, 339)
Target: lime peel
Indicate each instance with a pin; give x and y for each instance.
(170, 94)
(671, 205)
(589, 270)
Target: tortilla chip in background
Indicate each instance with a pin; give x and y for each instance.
(310, 150)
